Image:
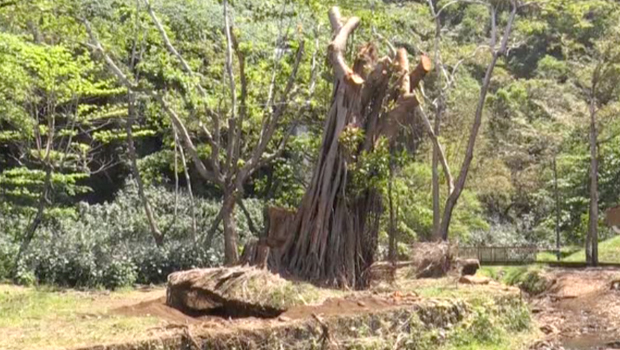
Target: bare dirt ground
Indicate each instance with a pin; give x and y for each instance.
(581, 309)
(351, 304)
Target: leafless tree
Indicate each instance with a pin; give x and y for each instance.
(496, 53)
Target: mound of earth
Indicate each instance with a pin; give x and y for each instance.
(346, 322)
(240, 291)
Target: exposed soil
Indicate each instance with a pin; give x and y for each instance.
(581, 309)
(356, 303)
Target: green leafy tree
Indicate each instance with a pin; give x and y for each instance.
(46, 121)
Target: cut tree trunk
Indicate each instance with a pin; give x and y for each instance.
(266, 251)
(333, 237)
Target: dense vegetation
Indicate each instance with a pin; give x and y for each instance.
(97, 180)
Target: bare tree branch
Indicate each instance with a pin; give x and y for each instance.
(242, 101)
(269, 128)
(338, 46)
(459, 1)
(232, 131)
(202, 170)
(442, 155)
(469, 153)
(214, 141)
(247, 215)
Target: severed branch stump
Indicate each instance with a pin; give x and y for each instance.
(265, 251)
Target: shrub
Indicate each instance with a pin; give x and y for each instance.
(529, 279)
(120, 272)
(8, 251)
(110, 245)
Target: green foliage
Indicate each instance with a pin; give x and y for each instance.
(53, 87)
(110, 245)
(414, 200)
(530, 279)
(44, 98)
(609, 252)
(371, 170)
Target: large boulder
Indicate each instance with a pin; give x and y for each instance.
(239, 291)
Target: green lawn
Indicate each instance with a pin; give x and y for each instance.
(43, 318)
(53, 318)
(608, 252)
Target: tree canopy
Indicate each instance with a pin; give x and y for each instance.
(202, 113)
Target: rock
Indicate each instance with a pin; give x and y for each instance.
(468, 267)
(477, 280)
(361, 303)
(615, 285)
(546, 345)
(549, 329)
(284, 319)
(536, 309)
(613, 345)
(230, 292)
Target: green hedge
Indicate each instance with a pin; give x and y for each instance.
(110, 245)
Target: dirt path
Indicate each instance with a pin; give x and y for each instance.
(581, 309)
(352, 304)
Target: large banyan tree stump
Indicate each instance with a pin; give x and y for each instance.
(333, 237)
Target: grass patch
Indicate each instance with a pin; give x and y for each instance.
(506, 341)
(608, 252)
(490, 322)
(459, 317)
(529, 278)
(565, 252)
(49, 318)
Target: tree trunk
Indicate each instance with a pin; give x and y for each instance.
(557, 207)
(155, 232)
(34, 224)
(593, 217)
(392, 226)
(469, 153)
(188, 180)
(334, 234)
(231, 254)
(438, 111)
(435, 173)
